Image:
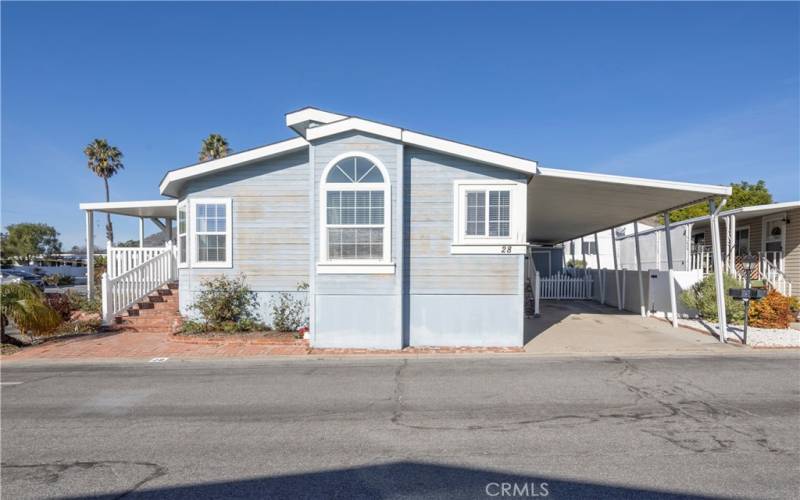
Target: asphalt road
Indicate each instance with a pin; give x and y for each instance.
(394, 428)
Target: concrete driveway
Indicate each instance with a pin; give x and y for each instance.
(585, 327)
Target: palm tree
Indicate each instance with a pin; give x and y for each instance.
(104, 160)
(214, 146)
(25, 305)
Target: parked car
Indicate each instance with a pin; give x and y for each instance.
(8, 276)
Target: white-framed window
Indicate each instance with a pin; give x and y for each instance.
(489, 216)
(183, 234)
(211, 242)
(355, 216)
(588, 247)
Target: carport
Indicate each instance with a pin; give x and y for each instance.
(563, 205)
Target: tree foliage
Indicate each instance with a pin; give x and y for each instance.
(214, 146)
(26, 240)
(744, 195)
(104, 161)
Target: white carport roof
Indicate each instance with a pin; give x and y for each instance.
(146, 208)
(564, 204)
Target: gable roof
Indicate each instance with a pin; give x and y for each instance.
(314, 124)
(174, 179)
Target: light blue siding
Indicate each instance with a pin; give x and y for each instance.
(270, 227)
(454, 299)
(357, 310)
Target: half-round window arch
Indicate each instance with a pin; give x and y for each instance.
(355, 210)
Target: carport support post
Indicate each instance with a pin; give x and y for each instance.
(718, 271)
(642, 309)
(89, 253)
(141, 232)
(673, 304)
(600, 281)
(616, 269)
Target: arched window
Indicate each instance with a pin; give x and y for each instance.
(355, 199)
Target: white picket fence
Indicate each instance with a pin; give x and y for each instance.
(121, 292)
(564, 286)
(120, 260)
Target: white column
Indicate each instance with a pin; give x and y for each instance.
(718, 272)
(600, 281)
(732, 244)
(642, 308)
(616, 268)
(141, 232)
(168, 223)
(673, 303)
(583, 256)
(89, 253)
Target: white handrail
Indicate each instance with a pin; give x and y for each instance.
(123, 291)
(775, 277)
(120, 260)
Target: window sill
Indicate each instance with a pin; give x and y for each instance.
(211, 265)
(488, 248)
(352, 268)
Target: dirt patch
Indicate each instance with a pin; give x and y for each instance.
(8, 349)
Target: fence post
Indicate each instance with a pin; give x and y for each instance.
(105, 289)
(536, 293)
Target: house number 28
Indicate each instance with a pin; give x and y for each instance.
(505, 249)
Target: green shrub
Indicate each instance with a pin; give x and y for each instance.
(194, 327)
(225, 300)
(702, 297)
(79, 302)
(58, 280)
(577, 264)
(289, 313)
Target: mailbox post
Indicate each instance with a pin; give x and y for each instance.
(747, 294)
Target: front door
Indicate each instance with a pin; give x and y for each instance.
(775, 240)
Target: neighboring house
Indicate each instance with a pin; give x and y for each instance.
(586, 249)
(769, 232)
(403, 238)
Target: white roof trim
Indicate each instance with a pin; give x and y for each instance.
(709, 189)
(111, 205)
(359, 124)
(777, 207)
(300, 119)
(167, 186)
(469, 152)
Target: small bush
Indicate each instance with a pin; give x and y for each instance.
(227, 304)
(773, 311)
(194, 327)
(80, 326)
(58, 280)
(703, 298)
(60, 304)
(576, 264)
(79, 302)
(289, 313)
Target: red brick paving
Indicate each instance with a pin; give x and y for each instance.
(130, 344)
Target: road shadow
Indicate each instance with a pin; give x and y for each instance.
(401, 480)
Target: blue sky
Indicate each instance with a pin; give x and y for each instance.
(694, 92)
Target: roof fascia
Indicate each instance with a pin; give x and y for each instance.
(233, 160)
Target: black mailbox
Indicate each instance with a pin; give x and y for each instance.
(747, 293)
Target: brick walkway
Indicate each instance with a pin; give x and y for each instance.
(127, 344)
(130, 344)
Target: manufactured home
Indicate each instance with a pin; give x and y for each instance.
(770, 233)
(404, 238)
